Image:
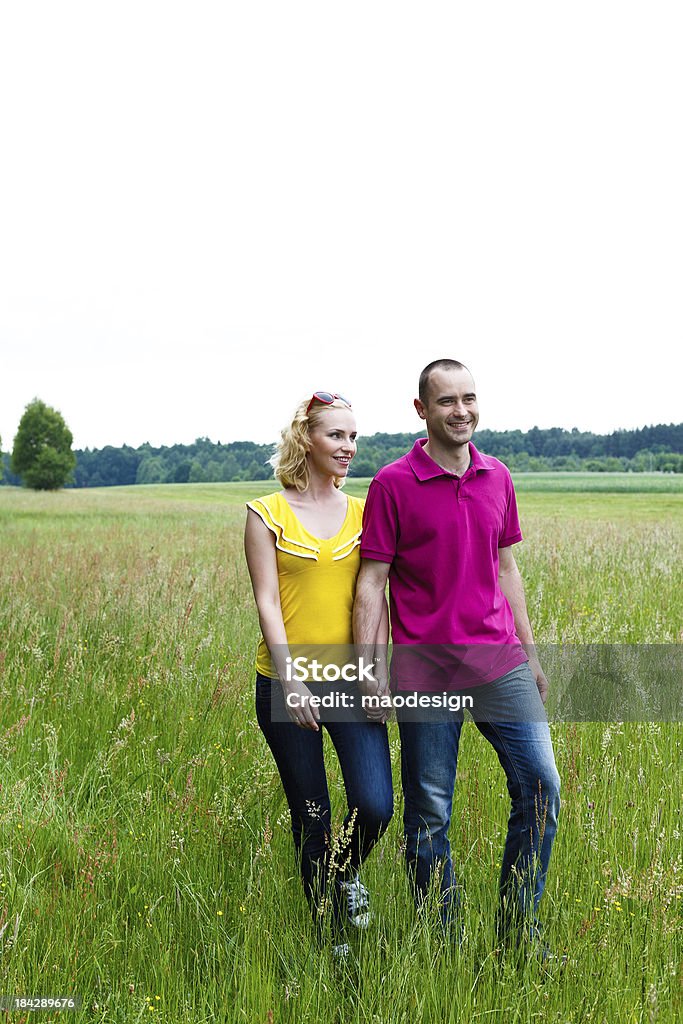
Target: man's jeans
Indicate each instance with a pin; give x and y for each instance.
(363, 752)
(429, 755)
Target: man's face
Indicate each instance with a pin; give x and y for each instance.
(451, 410)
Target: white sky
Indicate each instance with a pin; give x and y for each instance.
(209, 210)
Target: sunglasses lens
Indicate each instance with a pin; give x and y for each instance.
(326, 398)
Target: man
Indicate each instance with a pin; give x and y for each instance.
(440, 523)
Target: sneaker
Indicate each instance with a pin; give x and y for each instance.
(535, 949)
(548, 957)
(357, 902)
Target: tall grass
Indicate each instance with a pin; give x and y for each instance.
(147, 863)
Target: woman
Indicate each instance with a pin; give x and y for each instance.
(302, 548)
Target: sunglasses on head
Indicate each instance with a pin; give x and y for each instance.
(327, 398)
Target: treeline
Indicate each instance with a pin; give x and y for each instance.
(203, 461)
(649, 449)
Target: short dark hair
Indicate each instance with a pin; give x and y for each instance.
(437, 364)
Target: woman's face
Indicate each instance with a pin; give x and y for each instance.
(333, 441)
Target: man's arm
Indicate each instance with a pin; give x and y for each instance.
(370, 625)
(511, 584)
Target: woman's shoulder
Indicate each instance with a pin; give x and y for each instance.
(272, 509)
(356, 505)
(276, 513)
(267, 501)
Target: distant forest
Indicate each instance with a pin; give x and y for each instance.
(649, 449)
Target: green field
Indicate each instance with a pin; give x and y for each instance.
(626, 483)
(147, 863)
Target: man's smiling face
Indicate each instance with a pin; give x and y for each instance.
(450, 412)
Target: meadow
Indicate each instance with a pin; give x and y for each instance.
(146, 861)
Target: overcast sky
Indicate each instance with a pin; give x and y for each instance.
(209, 210)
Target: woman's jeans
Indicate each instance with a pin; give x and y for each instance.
(516, 727)
(363, 752)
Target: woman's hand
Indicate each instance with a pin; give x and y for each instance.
(298, 703)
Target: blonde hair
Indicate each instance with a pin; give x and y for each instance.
(289, 461)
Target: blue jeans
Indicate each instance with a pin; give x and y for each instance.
(429, 756)
(363, 752)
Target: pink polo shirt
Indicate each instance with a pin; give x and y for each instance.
(441, 535)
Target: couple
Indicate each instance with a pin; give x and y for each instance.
(439, 524)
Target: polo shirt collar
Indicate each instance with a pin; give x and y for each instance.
(425, 468)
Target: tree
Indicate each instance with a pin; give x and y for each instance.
(151, 470)
(182, 472)
(42, 454)
(197, 474)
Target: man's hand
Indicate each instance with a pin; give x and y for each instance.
(380, 689)
(371, 632)
(510, 583)
(539, 676)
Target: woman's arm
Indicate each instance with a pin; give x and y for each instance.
(259, 548)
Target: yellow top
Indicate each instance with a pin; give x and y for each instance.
(317, 577)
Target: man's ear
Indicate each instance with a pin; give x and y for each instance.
(419, 408)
